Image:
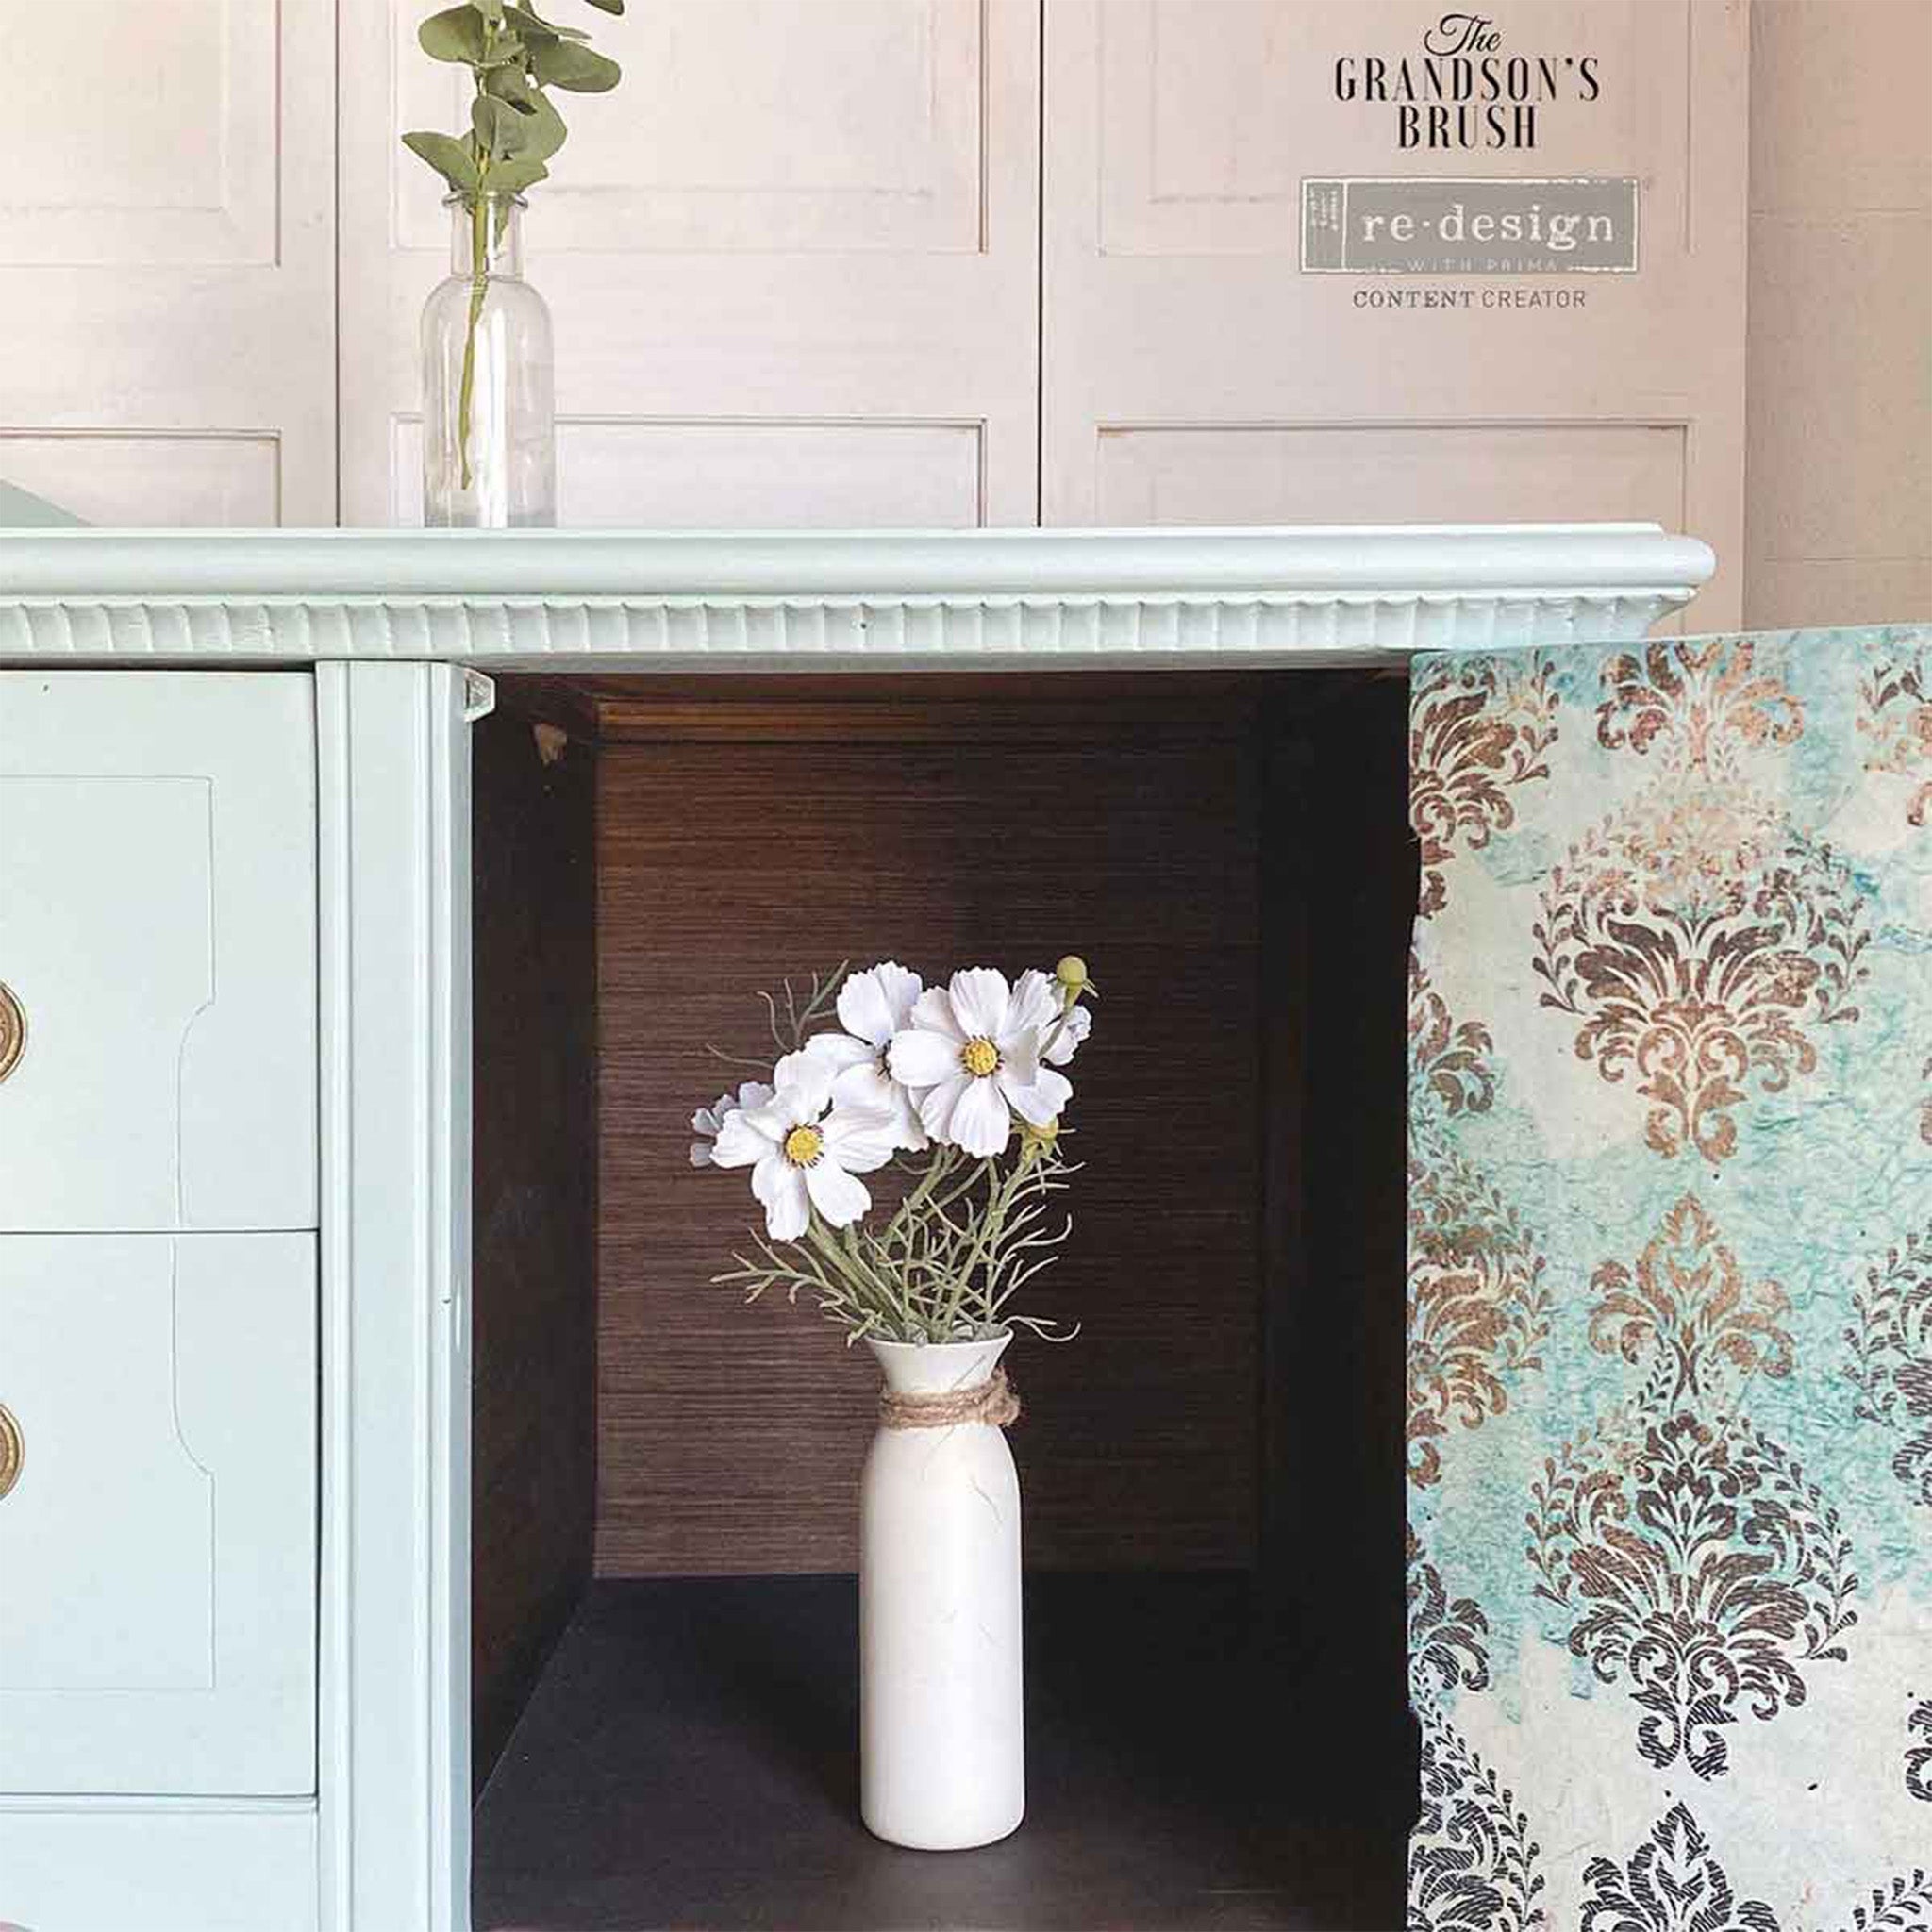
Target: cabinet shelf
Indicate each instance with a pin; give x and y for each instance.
(690, 1759)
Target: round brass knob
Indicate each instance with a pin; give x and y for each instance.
(13, 1450)
(12, 1030)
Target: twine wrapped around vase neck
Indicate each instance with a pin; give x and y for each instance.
(992, 1401)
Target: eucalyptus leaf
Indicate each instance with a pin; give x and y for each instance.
(514, 176)
(491, 10)
(501, 131)
(544, 129)
(536, 29)
(608, 6)
(574, 68)
(512, 85)
(456, 34)
(449, 157)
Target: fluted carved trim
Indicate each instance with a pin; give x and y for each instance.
(556, 632)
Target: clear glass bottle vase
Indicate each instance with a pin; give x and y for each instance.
(488, 379)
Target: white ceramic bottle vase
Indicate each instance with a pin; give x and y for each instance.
(942, 1725)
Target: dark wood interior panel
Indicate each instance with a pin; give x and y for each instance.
(1342, 872)
(730, 1437)
(533, 1272)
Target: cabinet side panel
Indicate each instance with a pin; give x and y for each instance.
(534, 1333)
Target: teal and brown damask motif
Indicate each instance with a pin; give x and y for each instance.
(1448, 1637)
(1904, 1905)
(1698, 702)
(1698, 937)
(1890, 1366)
(1700, 945)
(1449, 1067)
(1478, 1305)
(1918, 1753)
(1703, 1570)
(1472, 1863)
(1896, 722)
(1671, 1122)
(1672, 1884)
(1477, 731)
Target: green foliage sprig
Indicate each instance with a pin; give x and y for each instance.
(514, 55)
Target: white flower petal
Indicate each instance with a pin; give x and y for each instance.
(1020, 1058)
(750, 1093)
(859, 1138)
(933, 1008)
(839, 1051)
(740, 1140)
(1064, 1040)
(980, 1122)
(864, 1085)
(1044, 1101)
(936, 1104)
(781, 1187)
(921, 1058)
(872, 1092)
(805, 1086)
(701, 1154)
(979, 1001)
(1036, 1000)
(876, 1003)
(908, 1131)
(773, 1120)
(839, 1196)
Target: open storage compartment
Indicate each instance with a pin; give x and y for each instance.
(665, 1484)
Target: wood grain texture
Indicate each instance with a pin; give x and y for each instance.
(534, 1325)
(730, 1437)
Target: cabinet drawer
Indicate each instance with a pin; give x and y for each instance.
(158, 1541)
(157, 951)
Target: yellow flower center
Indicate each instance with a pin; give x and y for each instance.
(803, 1145)
(979, 1058)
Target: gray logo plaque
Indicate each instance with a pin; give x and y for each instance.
(1434, 226)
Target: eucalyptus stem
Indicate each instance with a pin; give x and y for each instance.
(514, 55)
(479, 288)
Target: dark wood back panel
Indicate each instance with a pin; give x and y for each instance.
(533, 1272)
(1008, 830)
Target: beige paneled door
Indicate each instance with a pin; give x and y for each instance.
(167, 253)
(1194, 372)
(793, 260)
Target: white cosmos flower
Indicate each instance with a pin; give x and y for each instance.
(873, 1006)
(800, 1155)
(972, 1058)
(1063, 1037)
(710, 1120)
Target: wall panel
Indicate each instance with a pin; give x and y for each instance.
(1841, 312)
(1347, 472)
(644, 474)
(792, 227)
(1180, 136)
(167, 244)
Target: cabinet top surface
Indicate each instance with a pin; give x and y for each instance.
(1305, 561)
(555, 598)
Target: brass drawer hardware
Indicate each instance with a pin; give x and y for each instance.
(12, 1030)
(13, 1450)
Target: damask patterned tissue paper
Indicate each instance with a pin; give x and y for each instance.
(1670, 1287)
